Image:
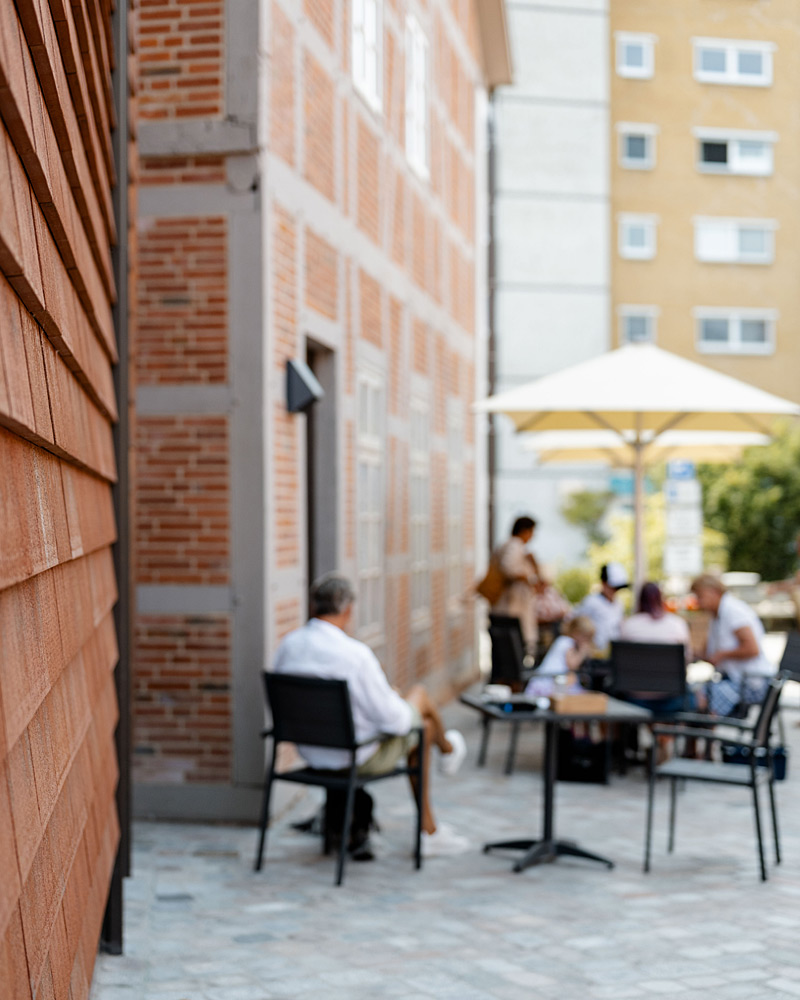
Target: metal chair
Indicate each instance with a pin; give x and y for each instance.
(314, 712)
(647, 668)
(755, 741)
(508, 667)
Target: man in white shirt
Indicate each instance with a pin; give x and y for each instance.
(603, 607)
(322, 648)
(734, 647)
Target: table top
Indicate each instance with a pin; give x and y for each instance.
(615, 711)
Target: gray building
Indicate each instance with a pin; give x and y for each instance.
(552, 245)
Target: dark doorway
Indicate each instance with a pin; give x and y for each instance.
(322, 467)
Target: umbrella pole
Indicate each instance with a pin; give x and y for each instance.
(639, 567)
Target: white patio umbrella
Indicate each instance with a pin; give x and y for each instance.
(640, 392)
(551, 447)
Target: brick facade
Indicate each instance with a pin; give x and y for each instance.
(357, 264)
(59, 828)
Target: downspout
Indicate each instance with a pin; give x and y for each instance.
(112, 932)
(491, 449)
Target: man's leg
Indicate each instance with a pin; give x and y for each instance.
(428, 821)
(434, 734)
(419, 698)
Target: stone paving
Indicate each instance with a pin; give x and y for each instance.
(202, 926)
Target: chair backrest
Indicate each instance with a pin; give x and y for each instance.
(508, 649)
(310, 710)
(790, 661)
(763, 726)
(656, 667)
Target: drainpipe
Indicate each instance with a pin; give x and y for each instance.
(111, 934)
(491, 450)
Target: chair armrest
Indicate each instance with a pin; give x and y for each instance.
(712, 720)
(708, 734)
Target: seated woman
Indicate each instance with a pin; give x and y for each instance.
(653, 623)
(563, 659)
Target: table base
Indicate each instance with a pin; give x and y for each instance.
(538, 852)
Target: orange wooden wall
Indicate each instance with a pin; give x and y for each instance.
(58, 649)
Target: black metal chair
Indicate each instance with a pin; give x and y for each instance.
(508, 667)
(508, 651)
(314, 712)
(755, 742)
(790, 661)
(648, 668)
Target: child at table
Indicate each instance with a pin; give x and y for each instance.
(558, 670)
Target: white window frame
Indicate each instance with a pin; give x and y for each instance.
(733, 48)
(734, 344)
(736, 139)
(455, 504)
(650, 313)
(647, 41)
(417, 117)
(648, 132)
(371, 509)
(726, 232)
(367, 50)
(625, 222)
(419, 479)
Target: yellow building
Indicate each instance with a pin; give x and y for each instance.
(705, 182)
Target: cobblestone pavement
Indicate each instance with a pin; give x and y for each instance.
(202, 926)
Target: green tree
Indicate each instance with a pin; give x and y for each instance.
(619, 547)
(586, 510)
(755, 502)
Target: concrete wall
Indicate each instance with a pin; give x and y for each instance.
(58, 648)
(553, 238)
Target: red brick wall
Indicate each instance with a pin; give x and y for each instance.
(182, 698)
(58, 649)
(322, 278)
(182, 521)
(183, 299)
(401, 249)
(181, 54)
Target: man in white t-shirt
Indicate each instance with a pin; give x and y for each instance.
(322, 648)
(734, 646)
(603, 607)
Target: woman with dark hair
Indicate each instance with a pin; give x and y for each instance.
(653, 623)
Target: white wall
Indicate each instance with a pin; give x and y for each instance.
(552, 239)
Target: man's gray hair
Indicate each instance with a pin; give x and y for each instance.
(331, 595)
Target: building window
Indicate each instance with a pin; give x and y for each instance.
(748, 153)
(637, 324)
(367, 50)
(637, 145)
(417, 97)
(371, 504)
(635, 55)
(455, 500)
(733, 61)
(420, 507)
(734, 241)
(637, 236)
(736, 331)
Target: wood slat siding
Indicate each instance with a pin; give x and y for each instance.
(58, 648)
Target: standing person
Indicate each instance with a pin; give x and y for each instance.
(603, 607)
(734, 646)
(521, 578)
(322, 648)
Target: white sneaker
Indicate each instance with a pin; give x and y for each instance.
(444, 842)
(449, 763)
